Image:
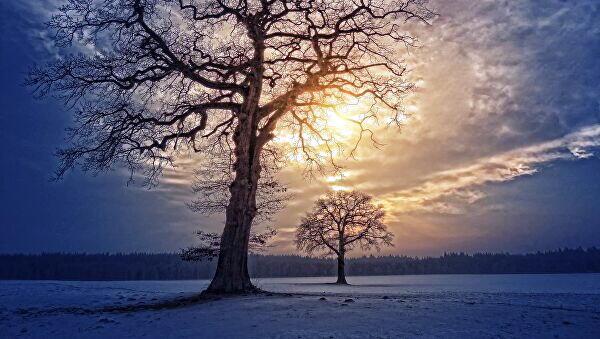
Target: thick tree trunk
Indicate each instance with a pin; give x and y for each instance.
(232, 268)
(341, 272)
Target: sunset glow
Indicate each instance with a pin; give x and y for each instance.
(503, 114)
(300, 169)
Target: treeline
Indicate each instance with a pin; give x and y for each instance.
(145, 266)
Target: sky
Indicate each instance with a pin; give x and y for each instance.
(500, 152)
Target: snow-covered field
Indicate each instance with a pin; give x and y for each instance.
(543, 306)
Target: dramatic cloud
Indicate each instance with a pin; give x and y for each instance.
(446, 191)
(504, 90)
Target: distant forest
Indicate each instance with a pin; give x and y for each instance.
(169, 266)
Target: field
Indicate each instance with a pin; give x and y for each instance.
(482, 306)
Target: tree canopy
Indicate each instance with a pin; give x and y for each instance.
(341, 221)
(154, 77)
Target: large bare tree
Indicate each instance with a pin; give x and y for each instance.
(156, 78)
(341, 221)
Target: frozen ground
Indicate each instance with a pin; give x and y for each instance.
(543, 306)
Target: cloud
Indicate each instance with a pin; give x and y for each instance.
(447, 191)
(29, 17)
(505, 89)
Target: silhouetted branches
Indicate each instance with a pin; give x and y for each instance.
(341, 221)
(158, 75)
(208, 249)
(211, 186)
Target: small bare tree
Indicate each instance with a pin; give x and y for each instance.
(162, 77)
(341, 221)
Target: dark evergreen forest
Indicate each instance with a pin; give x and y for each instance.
(169, 266)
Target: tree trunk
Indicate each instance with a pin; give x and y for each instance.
(341, 272)
(232, 267)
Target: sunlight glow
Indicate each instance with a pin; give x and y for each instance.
(328, 133)
(338, 122)
(339, 188)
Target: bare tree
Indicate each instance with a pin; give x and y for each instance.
(160, 77)
(341, 221)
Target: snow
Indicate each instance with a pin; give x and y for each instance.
(372, 307)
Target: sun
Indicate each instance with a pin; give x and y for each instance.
(339, 121)
(344, 120)
(330, 132)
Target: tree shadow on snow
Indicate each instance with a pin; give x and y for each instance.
(165, 304)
